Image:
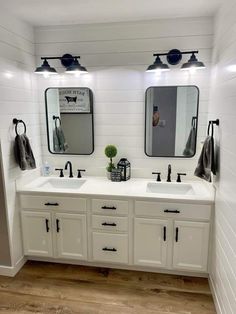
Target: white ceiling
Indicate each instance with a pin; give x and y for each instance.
(56, 12)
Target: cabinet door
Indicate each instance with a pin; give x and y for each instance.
(71, 236)
(190, 245)
(150, 242)
(37, 233)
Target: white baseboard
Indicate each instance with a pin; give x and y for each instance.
(215, 298)
(11, 271)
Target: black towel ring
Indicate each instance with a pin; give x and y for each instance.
(56, 118)
(16, 122)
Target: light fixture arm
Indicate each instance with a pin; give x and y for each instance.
(180, 52)
(59, 58)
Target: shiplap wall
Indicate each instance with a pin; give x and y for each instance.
(17, 99)
(223, 106)
(116, 55)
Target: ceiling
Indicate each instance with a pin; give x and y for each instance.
(57, 12)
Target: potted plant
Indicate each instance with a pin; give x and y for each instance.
(110, 152)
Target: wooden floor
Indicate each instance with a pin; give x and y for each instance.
(64, 289)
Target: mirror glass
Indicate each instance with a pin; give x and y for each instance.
(171, 119)
(69, 113)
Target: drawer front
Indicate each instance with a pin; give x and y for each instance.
(110, 207)
(110, 223)
(112, 248)
(173, 210)
(53, 202)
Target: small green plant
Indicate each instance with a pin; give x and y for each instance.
(110, 152)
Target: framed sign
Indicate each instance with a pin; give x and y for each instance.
(74, 100)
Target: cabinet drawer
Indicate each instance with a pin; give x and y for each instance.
(111, 207)
(173, 210)
(53, 202)
(110, 247)
(110, 223)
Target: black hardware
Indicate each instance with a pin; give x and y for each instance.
(109, 224)
(47, 225)
(169, 174)
(211, 126)
(56, 118)
(68, 163)
(16, 122)
(173, 211)
(179, 176)
(58, 225)
(177, 234)
(51, 204)
(109, 207)
(111, 250)
(61, 172)
(79, 172)
(158, 176)
(164, 235)
(194, 122)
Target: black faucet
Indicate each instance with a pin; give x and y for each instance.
(169, 174)
(68, 163)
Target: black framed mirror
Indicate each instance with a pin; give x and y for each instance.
(70, 122)
(171, 121)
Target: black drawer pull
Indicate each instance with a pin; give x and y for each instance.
(112, 224)
(109, 207)
(47, 225)
(164, 234)
(174, 211)
(177, 234)
(58, 225)
(110, 250)
(51, 204)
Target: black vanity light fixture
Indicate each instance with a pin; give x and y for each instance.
(174, 57)
(70, 62)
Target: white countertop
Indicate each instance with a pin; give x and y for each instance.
(204, 192)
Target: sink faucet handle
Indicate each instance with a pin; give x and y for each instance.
(79, 172)
(179, 174)
(158, 176)
(61, 172)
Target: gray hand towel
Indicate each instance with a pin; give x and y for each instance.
(59, 142)
(23, 153)
(191, 143)
(206, 163)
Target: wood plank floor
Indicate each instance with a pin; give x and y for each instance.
(67, 289)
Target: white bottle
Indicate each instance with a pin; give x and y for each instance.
(46, 169)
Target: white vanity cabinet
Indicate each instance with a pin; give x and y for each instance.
(150, 242)
(170, 242)
(59, 231)
(127, 232)
(110, 232)
(71, 236)
(37, 233)
(190, 245)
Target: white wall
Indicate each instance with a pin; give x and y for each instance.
(116, 56)
(223, 106)
(17, 99)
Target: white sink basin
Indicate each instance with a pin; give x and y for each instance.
(61, 183)
(170, 188)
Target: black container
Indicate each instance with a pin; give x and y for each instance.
(125, 167)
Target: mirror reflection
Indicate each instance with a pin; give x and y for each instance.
(69, 113)
(171, 118)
